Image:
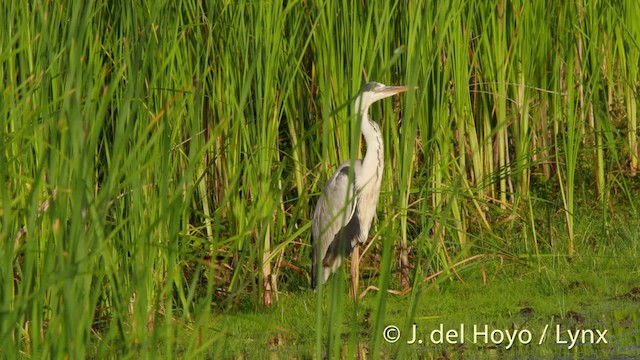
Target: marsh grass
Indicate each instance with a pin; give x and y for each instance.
(160, 161)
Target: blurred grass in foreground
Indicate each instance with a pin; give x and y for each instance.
(160, 161)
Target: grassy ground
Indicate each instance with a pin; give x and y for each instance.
(589, 295)
(160, 163)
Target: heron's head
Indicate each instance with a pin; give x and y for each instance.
(375, 91)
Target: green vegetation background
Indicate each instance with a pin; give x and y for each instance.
(160, 162)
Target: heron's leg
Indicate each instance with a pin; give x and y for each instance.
(355, 266)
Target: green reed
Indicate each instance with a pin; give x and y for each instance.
(160, 162)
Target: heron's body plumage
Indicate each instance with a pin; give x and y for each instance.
(346, 209)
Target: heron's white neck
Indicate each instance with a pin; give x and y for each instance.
(373, 161)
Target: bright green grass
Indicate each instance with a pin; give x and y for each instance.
(159, 164)
(591, 293)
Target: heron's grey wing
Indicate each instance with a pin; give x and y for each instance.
(335, 224)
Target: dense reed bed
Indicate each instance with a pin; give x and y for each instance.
(160, 160)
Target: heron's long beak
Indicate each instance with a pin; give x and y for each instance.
(391, 90)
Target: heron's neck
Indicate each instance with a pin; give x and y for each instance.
(373, 161)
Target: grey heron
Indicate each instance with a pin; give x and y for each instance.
(346, 207)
